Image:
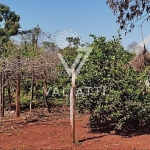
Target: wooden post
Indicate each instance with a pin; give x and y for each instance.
(18, 89)
(9, 94)
(72, 106)
(45, 89)
(36, 88)
(32, 87)
(2, 94)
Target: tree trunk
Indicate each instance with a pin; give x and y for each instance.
(45, 89)
(18, 89)
(36, 88)
(32, 87)
(2, 94)
(18, 95)
(9, 95)
(72, 106)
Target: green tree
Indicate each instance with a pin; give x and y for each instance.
(73, 42)
(49, 46)
(11, 23)
(120, 96)
(36, 32)
(34, 40)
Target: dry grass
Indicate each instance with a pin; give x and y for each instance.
(140, 62)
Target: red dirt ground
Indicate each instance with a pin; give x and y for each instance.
(53, 132)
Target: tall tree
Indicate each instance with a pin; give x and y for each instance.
(11, 23)
(76, 42)
(73, 42)
(34, 38)
(35, 35)
(70, 41)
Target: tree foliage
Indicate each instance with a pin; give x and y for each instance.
(115, 92)
(11, 23)
(128, 12)
(120, 97)
(34, 40)
(73, 42)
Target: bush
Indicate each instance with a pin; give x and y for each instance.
(120, 98)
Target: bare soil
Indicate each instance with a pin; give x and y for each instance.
(52, 131)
